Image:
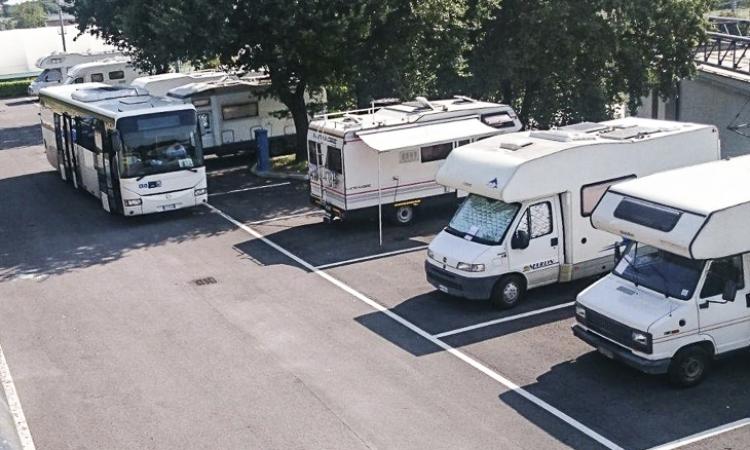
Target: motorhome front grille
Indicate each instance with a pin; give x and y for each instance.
(616, 331)
(444, 278)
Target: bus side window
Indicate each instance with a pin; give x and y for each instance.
(85, 133)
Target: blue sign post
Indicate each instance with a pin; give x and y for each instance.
(264, 152)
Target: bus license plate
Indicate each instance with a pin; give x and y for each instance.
(168, 207)
(606, 352)
(443, 288)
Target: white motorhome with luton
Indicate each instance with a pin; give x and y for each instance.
(160, 85)
(231, 109)
(526, 222)
(679, 295)
(114, 71)
(55, 67)
(136, 153)
(361, 160)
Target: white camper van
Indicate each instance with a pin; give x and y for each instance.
(55, 67)
(679, 294)
(231, 109)
(113, 71)
(160, 85)
(526, 221)
(364, 159)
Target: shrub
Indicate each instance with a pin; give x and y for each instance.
(14, 88)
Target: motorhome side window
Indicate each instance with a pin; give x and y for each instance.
(538, 219)
(78, 80)
(117, 75)
(721, 271)
(333, 160)
(97, 77)
(241, 111)
(435, 152)
(647, 214)
(592, 193)
(312, 152)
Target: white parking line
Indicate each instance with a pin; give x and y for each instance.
(253, 188)
(14, 405)
(703, 435)
(503, 320)
(276, 219)
(367, 258)
(420, 332)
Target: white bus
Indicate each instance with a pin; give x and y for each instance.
(138, 154)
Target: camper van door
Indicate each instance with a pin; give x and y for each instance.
(535, 246)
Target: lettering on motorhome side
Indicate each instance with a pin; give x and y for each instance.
(539, 265)
(324, 138)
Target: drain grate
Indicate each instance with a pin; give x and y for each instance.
(205, 281)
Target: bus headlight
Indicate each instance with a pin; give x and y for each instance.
(466, 267)
(134, 202)
(201, 191)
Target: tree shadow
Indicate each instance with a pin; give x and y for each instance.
(48, 228)
(24, 136)
(635, 410)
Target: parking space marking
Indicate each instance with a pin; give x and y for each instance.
(422, 333)
(14, 405)
(703, 435)
(279, 218)
(503, 320)
(253, 188)
(369, 257)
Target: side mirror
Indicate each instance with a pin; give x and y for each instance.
(116, 141)
(520, 240)
(730, 291)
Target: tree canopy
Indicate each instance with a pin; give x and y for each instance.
(556, 61)
(29, 15)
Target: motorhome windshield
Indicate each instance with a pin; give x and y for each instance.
(483, 219)
(669, 274)
(49, 75)
(158, 143)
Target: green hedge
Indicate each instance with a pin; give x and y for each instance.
(14, 88)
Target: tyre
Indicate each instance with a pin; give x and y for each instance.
(508, 292)
(689, 366)
(404, 215)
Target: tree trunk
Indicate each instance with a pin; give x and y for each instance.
(295, 101)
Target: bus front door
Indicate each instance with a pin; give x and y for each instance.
(109, 187)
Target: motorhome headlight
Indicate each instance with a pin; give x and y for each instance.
(134, 202)
(580, 312)
(642, 341)
(430, 254)
(201, 191)
(466, 267)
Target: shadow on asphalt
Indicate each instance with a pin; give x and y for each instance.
(635, 410)
(54, 229)
(17, 137)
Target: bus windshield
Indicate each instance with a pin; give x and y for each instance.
(159, 143)
(483, 220)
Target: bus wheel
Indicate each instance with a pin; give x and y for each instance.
(689, 366)
(404, 215)
(508, 292)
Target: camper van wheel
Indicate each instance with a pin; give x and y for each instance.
(689, 366)
(508, 292)
(404, 215)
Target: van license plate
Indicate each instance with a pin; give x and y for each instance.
(607, 353)
(443, 288)
(168, 207)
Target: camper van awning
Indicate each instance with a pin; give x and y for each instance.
(420, 135)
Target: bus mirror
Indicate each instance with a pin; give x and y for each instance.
(520, 240)
(116, 141)
(730, 291)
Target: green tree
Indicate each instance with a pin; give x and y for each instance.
(29, 15)
(569, 60)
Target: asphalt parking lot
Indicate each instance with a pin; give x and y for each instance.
(253, 324)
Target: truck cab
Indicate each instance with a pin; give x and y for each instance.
(679, 294)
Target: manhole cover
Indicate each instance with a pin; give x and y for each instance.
(205, 281)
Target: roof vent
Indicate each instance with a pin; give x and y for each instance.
(513, 146)
(423, 102)
(621, 134)
(100, 93)
(461, 99)
(562, 135)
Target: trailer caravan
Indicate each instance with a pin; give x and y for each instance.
(388, 157)
(231, 109)
(679, 295)
(160, 85)
(112, 71)
(137, 154)
(526, 221)
(56, 65)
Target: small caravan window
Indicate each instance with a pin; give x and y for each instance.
(312, 152)
(462, 143)
(537, 220)
(117, 75)
(592, 193)
(647, 214)
(333, 160)
(498, 120)
(97, 77)
(436, 152)
(241, 111)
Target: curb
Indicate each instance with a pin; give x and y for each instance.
(278, 175)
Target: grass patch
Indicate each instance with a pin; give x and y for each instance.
(14, 88)
(288, 163)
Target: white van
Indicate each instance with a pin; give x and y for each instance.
(160, 85)
(56, 65)
(526, 221)
(113, 71)
(361, 160)
(679, 295)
